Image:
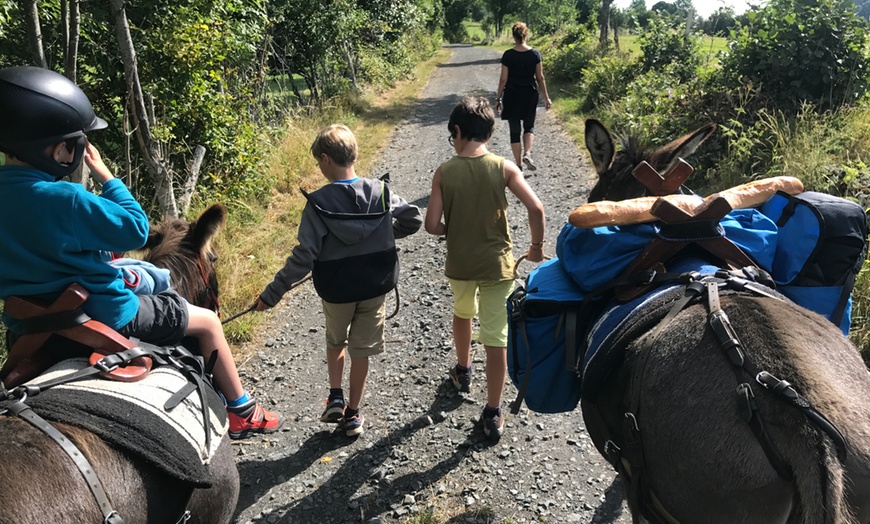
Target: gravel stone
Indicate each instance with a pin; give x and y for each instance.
(422, 449)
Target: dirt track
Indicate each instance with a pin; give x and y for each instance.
(421, 450)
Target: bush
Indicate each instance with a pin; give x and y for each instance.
(657, 105)
(801, 51)
(567, 62)
(607, 79)
(665, 45)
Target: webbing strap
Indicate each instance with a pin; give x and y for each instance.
(521, 391)
(733, 349)
(110, 516)
(840, 310)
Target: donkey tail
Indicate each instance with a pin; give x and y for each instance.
(821, 488)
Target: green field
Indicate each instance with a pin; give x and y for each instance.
(710, 46)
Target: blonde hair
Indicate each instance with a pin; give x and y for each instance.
(520, 31)
(338, 143)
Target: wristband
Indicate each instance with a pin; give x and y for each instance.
(537, 244)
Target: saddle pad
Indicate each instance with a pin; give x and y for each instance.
(605, 341)
(130, 415)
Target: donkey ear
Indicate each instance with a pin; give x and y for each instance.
(682, 147)
(599, 142)
(207, 225)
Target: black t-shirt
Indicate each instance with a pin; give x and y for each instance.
(521, 67)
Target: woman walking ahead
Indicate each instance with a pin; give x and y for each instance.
(517, 96)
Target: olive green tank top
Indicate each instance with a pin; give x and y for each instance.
(475, 212)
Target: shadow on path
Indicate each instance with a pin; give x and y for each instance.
(364, 465)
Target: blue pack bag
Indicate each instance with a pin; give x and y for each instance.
(543, 339)
(821, 246)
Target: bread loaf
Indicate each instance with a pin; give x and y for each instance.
(625, 212)
(758, 192)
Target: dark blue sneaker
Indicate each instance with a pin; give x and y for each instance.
(334, 411)
(461, 380)
(353, 425)
(493, 427)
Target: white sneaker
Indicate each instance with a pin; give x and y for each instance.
(527, 160)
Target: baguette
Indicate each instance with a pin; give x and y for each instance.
(625, 212)
(758, 192)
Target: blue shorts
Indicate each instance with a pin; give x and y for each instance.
(161, 320)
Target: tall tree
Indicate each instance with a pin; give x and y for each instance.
(71, 24)
(499, 10)
(604, 21)
(34, 32)
(151, 154)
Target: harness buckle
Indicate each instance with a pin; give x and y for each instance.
(650, 278)
(112, 517)
(629, 417)
(105, 365)
(727, 337)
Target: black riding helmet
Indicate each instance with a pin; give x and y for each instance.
(39, 108)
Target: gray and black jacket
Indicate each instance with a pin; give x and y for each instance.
(347, 240)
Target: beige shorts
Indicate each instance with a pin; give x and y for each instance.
(359, 326)
(490, 299)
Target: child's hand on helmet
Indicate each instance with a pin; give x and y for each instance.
(95, 162)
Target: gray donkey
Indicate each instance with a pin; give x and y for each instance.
(699, 458)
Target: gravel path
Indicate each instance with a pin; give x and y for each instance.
(421, 450)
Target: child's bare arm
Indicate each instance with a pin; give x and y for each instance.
(435, 210)
(517, 185)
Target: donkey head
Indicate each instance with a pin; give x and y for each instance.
(615, 180)
(185, 249)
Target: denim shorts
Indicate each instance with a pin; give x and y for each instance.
(161, 320)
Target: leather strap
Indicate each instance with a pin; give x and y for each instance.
(110, 516)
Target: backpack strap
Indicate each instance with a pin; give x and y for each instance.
(840, 310)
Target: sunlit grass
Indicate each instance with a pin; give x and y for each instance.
(710, 46)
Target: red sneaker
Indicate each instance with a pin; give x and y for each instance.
(259, 421)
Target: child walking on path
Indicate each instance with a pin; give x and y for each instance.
(468, 192)
(44, 118)
(346, 240)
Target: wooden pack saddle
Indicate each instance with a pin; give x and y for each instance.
(34, 350)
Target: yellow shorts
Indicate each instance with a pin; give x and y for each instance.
(359, 326)
(490, 297)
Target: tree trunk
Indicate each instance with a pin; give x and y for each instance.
(34, 32)
(350, 67)
(155, 164)
(604, 21)
(189, 186)
(616, 36)
(296, 90)
(71, 30)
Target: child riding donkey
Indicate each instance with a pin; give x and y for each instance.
(54, 233)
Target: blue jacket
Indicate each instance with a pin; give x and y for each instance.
(52, 234)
